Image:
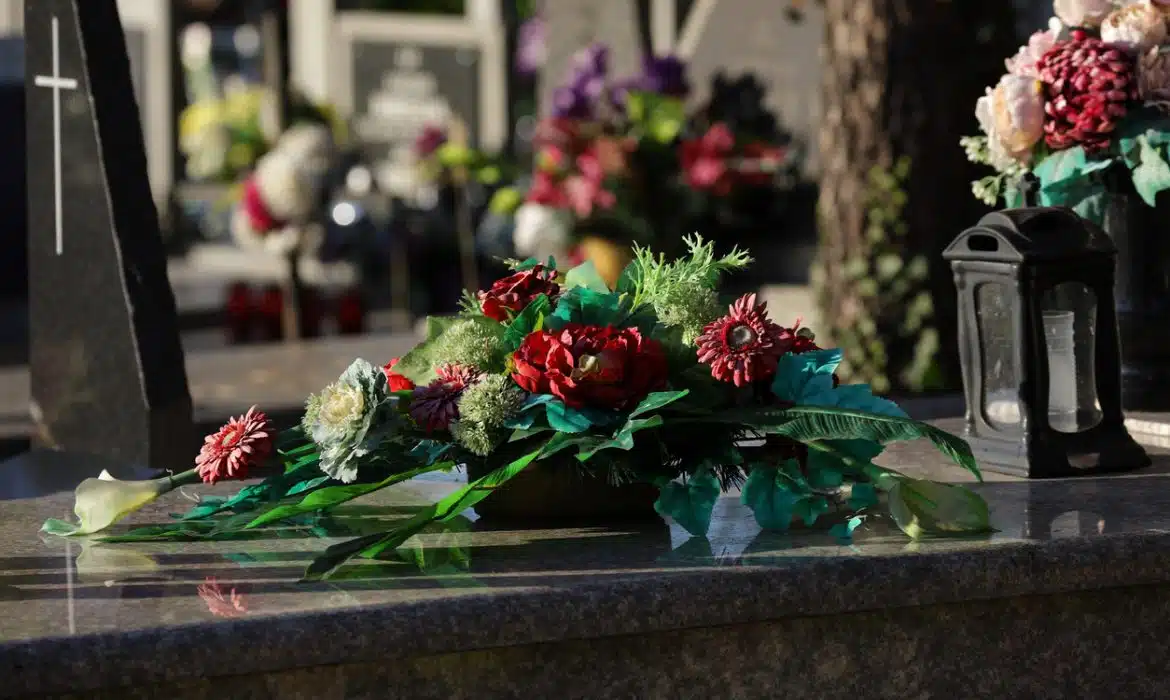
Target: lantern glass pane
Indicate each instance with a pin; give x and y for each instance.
(995, 311)
(1069, 314)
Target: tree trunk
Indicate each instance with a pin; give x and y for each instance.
(900, 81)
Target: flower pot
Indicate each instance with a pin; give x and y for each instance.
(558, 492)
(1142, 290)
(608, 257)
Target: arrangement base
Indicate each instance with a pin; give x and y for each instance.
(561, 494)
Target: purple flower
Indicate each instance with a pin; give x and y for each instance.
(592, 61)
(665, 75)
(569, 103)
(620, 91)
(531, 46)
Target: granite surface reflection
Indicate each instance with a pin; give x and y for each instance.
(153, 612)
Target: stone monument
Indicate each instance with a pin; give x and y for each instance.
(106, 364)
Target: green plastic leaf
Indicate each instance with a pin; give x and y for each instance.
(623, 439)
(816, 423)
(450, 507)
(307, 485)
(926, 508)
(656, 400)
(772, 497)
(1150, 123)
(430, 451)
(1060, 166)
(844, 531)
(586, 275)
(806, 377)
(1093, 207)
(592, 308)
(525, 323)
(335, 495)
(810, 508)
(564, 419)
(690, 504)
(862, 495)
(1152, 175)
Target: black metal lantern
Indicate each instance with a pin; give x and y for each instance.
(1038, 342)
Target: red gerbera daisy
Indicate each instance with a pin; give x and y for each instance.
(241, 444)
(436, 405)
(745, 345)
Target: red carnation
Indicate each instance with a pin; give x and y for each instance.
(745, 345)
(704, 160)
(591, 366)
(517, 291)
(243, 443)
(396, 381)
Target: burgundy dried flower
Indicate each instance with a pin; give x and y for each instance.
(241, 444)
(1087, 87)
(745, 345)
(436, 405)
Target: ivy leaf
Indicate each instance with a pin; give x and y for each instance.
(1152, 175)
(807, 377)
(844, 531)
(690, 504)
(565, 419)
(585, 275)
(1092, 208)
(772, 497)
(923, 508)
(525, 322)
(862, 495)
(1060, 166)
(430, 451)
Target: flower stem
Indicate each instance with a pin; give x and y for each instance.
(191, 476)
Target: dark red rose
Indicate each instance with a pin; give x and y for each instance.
(591, 366)
(516, 291)
(396, 381)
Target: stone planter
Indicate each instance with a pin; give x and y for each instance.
(558, 492)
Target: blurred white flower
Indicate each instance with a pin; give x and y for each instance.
(1012, 116)
(1082, 13)
(541, 231)
(1025, 60)
(1137, 26)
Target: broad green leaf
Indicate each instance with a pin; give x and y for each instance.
(585, 275)
(1060, 166)
(925, 508)
(307, 485)
(690, 504)
(335, 495)
(525, 433)
(450, 507)
(1152, 175)
(1093, 207)
(807, 377)
(565, 419)
(816, 423)
(810, 508)
(430, 451)
(525, 322)
(862, 495)
(844, 531)
(772, 496)
(657, 400)
(1150, 123)
(563, 441)
(623, 439)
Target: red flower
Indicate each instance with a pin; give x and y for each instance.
(429, 140)
(516, 291)
(591, 366)
(764, 161)
(745, 345)
(243, 443)
(704, 160)
(396, 381)
(436, 405)
(547, 190)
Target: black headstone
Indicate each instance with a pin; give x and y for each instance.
(106, 364)
(400, 87)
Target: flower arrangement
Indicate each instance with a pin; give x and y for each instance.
(1087, 95)
(623, 160)
(650, 382)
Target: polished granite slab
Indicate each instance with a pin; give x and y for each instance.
(81, 616)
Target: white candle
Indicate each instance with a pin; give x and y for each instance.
(1062, 370)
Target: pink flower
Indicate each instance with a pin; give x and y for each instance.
(222, 601)
(1024, 63)
(436, 405)
(240, 445)
(704, 161)
(547, 190)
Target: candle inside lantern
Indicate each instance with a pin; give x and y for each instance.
(1062, 370)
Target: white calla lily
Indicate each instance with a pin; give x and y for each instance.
(101, 502)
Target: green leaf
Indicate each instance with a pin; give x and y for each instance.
(862, 495)
(925, 508)
(772, 495)
(1152, 175)
(505, 201)
(336, 495)
(623, 439)
(565, 419)
(1060, 166)
(586, 275)
(807, 377)
(809, 424)
(656, 400)
(844, 531)
(592, 308)
(660, 117)
(690, 504)
(307, 485)
(1149, 123)
(453, 155)
(525, 322)
(1092, 207)
(450, 507)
